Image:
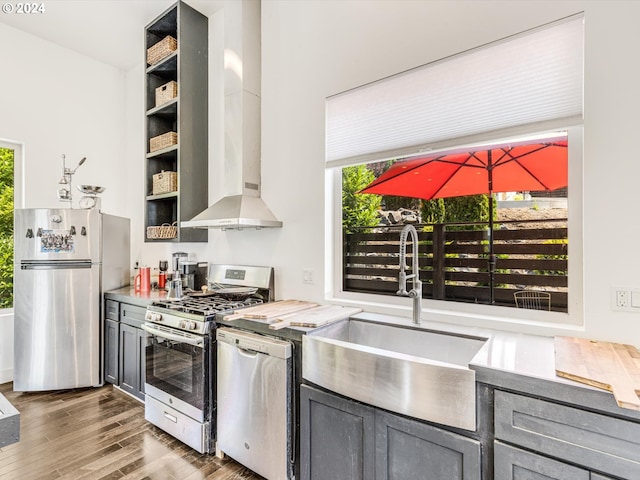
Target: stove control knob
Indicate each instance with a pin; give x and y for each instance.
(192, 325)
(154, 316)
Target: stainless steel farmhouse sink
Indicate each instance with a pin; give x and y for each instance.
(416, 372)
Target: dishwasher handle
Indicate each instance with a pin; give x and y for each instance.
(253, 342)
(245, 352)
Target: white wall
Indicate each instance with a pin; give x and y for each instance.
(56, 101)
(315, 48)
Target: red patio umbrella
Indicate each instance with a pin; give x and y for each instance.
(518, 166)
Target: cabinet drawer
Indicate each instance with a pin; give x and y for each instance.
(511, 463)
(132, 314)
(112, 310)
(597, 441)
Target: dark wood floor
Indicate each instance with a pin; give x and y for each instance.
(100, 433)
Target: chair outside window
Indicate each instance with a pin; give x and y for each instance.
(533, 300)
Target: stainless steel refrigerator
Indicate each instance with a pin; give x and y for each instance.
(64, 260)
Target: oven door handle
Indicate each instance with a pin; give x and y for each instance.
(196, 342)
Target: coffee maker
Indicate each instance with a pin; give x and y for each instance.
(192, 274)
(187, 269)
(177, 258)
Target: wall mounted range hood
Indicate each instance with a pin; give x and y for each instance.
(242, 207)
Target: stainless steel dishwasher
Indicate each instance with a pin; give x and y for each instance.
(254, 402)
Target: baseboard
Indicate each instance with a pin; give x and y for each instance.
(116, 387)
(6, 375)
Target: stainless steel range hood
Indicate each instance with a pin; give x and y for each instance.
(242, 206)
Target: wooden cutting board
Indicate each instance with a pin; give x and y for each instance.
(268, 312)
(315, 317)
(611, 366)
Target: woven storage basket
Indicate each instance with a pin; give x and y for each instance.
(163, 231)
(166, 92)
(165, 182)
(163, 141)
(162, 49)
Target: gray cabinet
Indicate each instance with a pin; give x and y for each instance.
(110, 336)
(111, 341)
(176, 104)
(341, 438)
(131, 360)
(560, 436)
(131, 350)
(124, 347)
(408, 449)
(336, 437)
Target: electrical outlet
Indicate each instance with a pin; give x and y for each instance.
(307, 276)
(625, 298)
(622, 298)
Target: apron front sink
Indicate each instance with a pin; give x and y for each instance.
(411, 371)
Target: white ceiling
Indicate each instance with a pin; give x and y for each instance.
(111, 31)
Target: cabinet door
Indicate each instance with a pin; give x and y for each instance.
(336, 437)
(129, 361)
(141, 336)
(111, 332)
(511, 463)
(407, 449)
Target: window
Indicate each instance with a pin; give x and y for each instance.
(527, 240)
(10, 163)
(432, 110)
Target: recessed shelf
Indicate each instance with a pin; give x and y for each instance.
(186, 114)
(169, 109)
(164, 151)
(165, 67)
(162, 196)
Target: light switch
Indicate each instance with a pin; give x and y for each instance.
(635, 298)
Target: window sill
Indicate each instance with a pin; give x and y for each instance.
(509, 319)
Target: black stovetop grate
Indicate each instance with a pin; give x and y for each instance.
(206, 306)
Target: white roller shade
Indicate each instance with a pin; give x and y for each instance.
(524, 82)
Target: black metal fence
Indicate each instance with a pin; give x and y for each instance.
(454, 262)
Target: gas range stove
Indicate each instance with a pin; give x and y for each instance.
(196, 313)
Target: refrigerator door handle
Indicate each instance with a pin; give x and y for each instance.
(54, 265)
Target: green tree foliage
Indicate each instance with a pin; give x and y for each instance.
(6, 228)
(560, 241)
(433, 211)
(358, 210)
(6, 271)
(390, 202)
(471, 208)
(396, 203)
